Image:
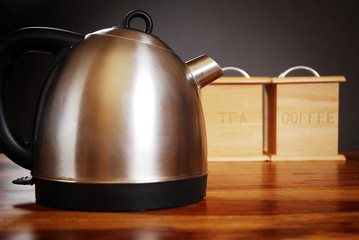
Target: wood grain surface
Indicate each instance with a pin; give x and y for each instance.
(245, 200)
(302, 118)
(233, 112)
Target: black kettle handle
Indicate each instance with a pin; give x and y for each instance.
(49, 40)
(141, 14)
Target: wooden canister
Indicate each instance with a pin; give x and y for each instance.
(301, 117)
(233, 111)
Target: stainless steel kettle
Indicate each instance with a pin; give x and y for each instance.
(118, 122)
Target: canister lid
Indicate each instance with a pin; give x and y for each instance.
(309, 79)
(242, 80)
(282, 78)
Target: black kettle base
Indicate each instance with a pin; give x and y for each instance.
(120, 197)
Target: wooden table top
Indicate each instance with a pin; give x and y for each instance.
(245, 200)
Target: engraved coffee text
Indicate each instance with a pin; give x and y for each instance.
(308, 117)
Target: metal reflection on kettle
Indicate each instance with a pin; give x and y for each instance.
(118, 122)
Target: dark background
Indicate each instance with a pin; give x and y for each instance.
(262, 37)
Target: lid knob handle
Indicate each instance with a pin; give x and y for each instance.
(141, 14)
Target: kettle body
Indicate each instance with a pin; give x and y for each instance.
(118, 124)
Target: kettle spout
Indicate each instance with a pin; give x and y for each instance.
(204, 70)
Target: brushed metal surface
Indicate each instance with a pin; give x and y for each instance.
(204, 70)
(121, 107)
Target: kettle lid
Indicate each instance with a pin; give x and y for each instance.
(127, 32)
